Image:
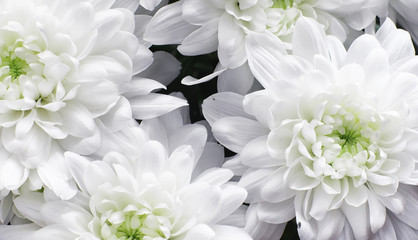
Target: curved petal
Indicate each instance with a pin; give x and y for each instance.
(236, 132)
(154, 105)
(168, 26)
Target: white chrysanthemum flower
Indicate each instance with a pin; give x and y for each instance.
(227, 26)
(151, 195)
(332, 138)
(65, 66)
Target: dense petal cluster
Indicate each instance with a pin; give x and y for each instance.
(317, 106)
(330, 139)
(66, 72)
(202, 26)
(149, 193)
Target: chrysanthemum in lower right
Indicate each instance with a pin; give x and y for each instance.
(332, 139)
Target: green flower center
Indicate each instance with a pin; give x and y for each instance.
(129, 230)
(353, 135)
(136, 227)
(16, 66)
(283, 4)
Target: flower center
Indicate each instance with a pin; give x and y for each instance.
(351, 133)
(15, 65)
(137, 224)
(130, 229)
(283, 3)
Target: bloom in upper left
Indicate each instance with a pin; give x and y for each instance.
(64, 73)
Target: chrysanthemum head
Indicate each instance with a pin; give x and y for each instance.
(342, 142)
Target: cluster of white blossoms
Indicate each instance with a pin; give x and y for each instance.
(316, 102)
(230, 26)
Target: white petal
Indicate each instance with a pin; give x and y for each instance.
(163, 75)
(360, 49)
(54, 231)
(154, 157)
(410, 194)
(154, 105)
(12, 173)
(357, 217)
(189, 80)
(377, 212)
(306, 229)
(331, 226)
(396, 42)
(236, 132)
(193, 135)
(236, 219)
(81, 14)
(181, 163)
(403, 231)
(321, 202)
(24, 125)
(96, 174)
(261, 230)
(264, 54)
(200, 12)
(275, 190)
(276, 213)
(223, 232)
(77, 165)
(255, 154)
(142, 60)
(98, 97)
(258, 104)
(231, 50)
(118, 116)
(149, 4)
(131, 5)
(356, 196)
(233, 197)
(387, 231)
(201, 198)
(17, 232)
(253, 181)
(168, 26)
(108, 23)
(55, 180)
(220, 105)
(77, 120)
(141, 23)
(298, 180)
(201, 41)
(82, 145)
(361, 19)
(238, 80)
(29, 204)
(212, 157)
(214, 176)
(309, 39)
(200, 231)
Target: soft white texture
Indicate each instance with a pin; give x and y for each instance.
(331, 139)
(66, 74)
(152, 191)
(229, 26)
(404, 13)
